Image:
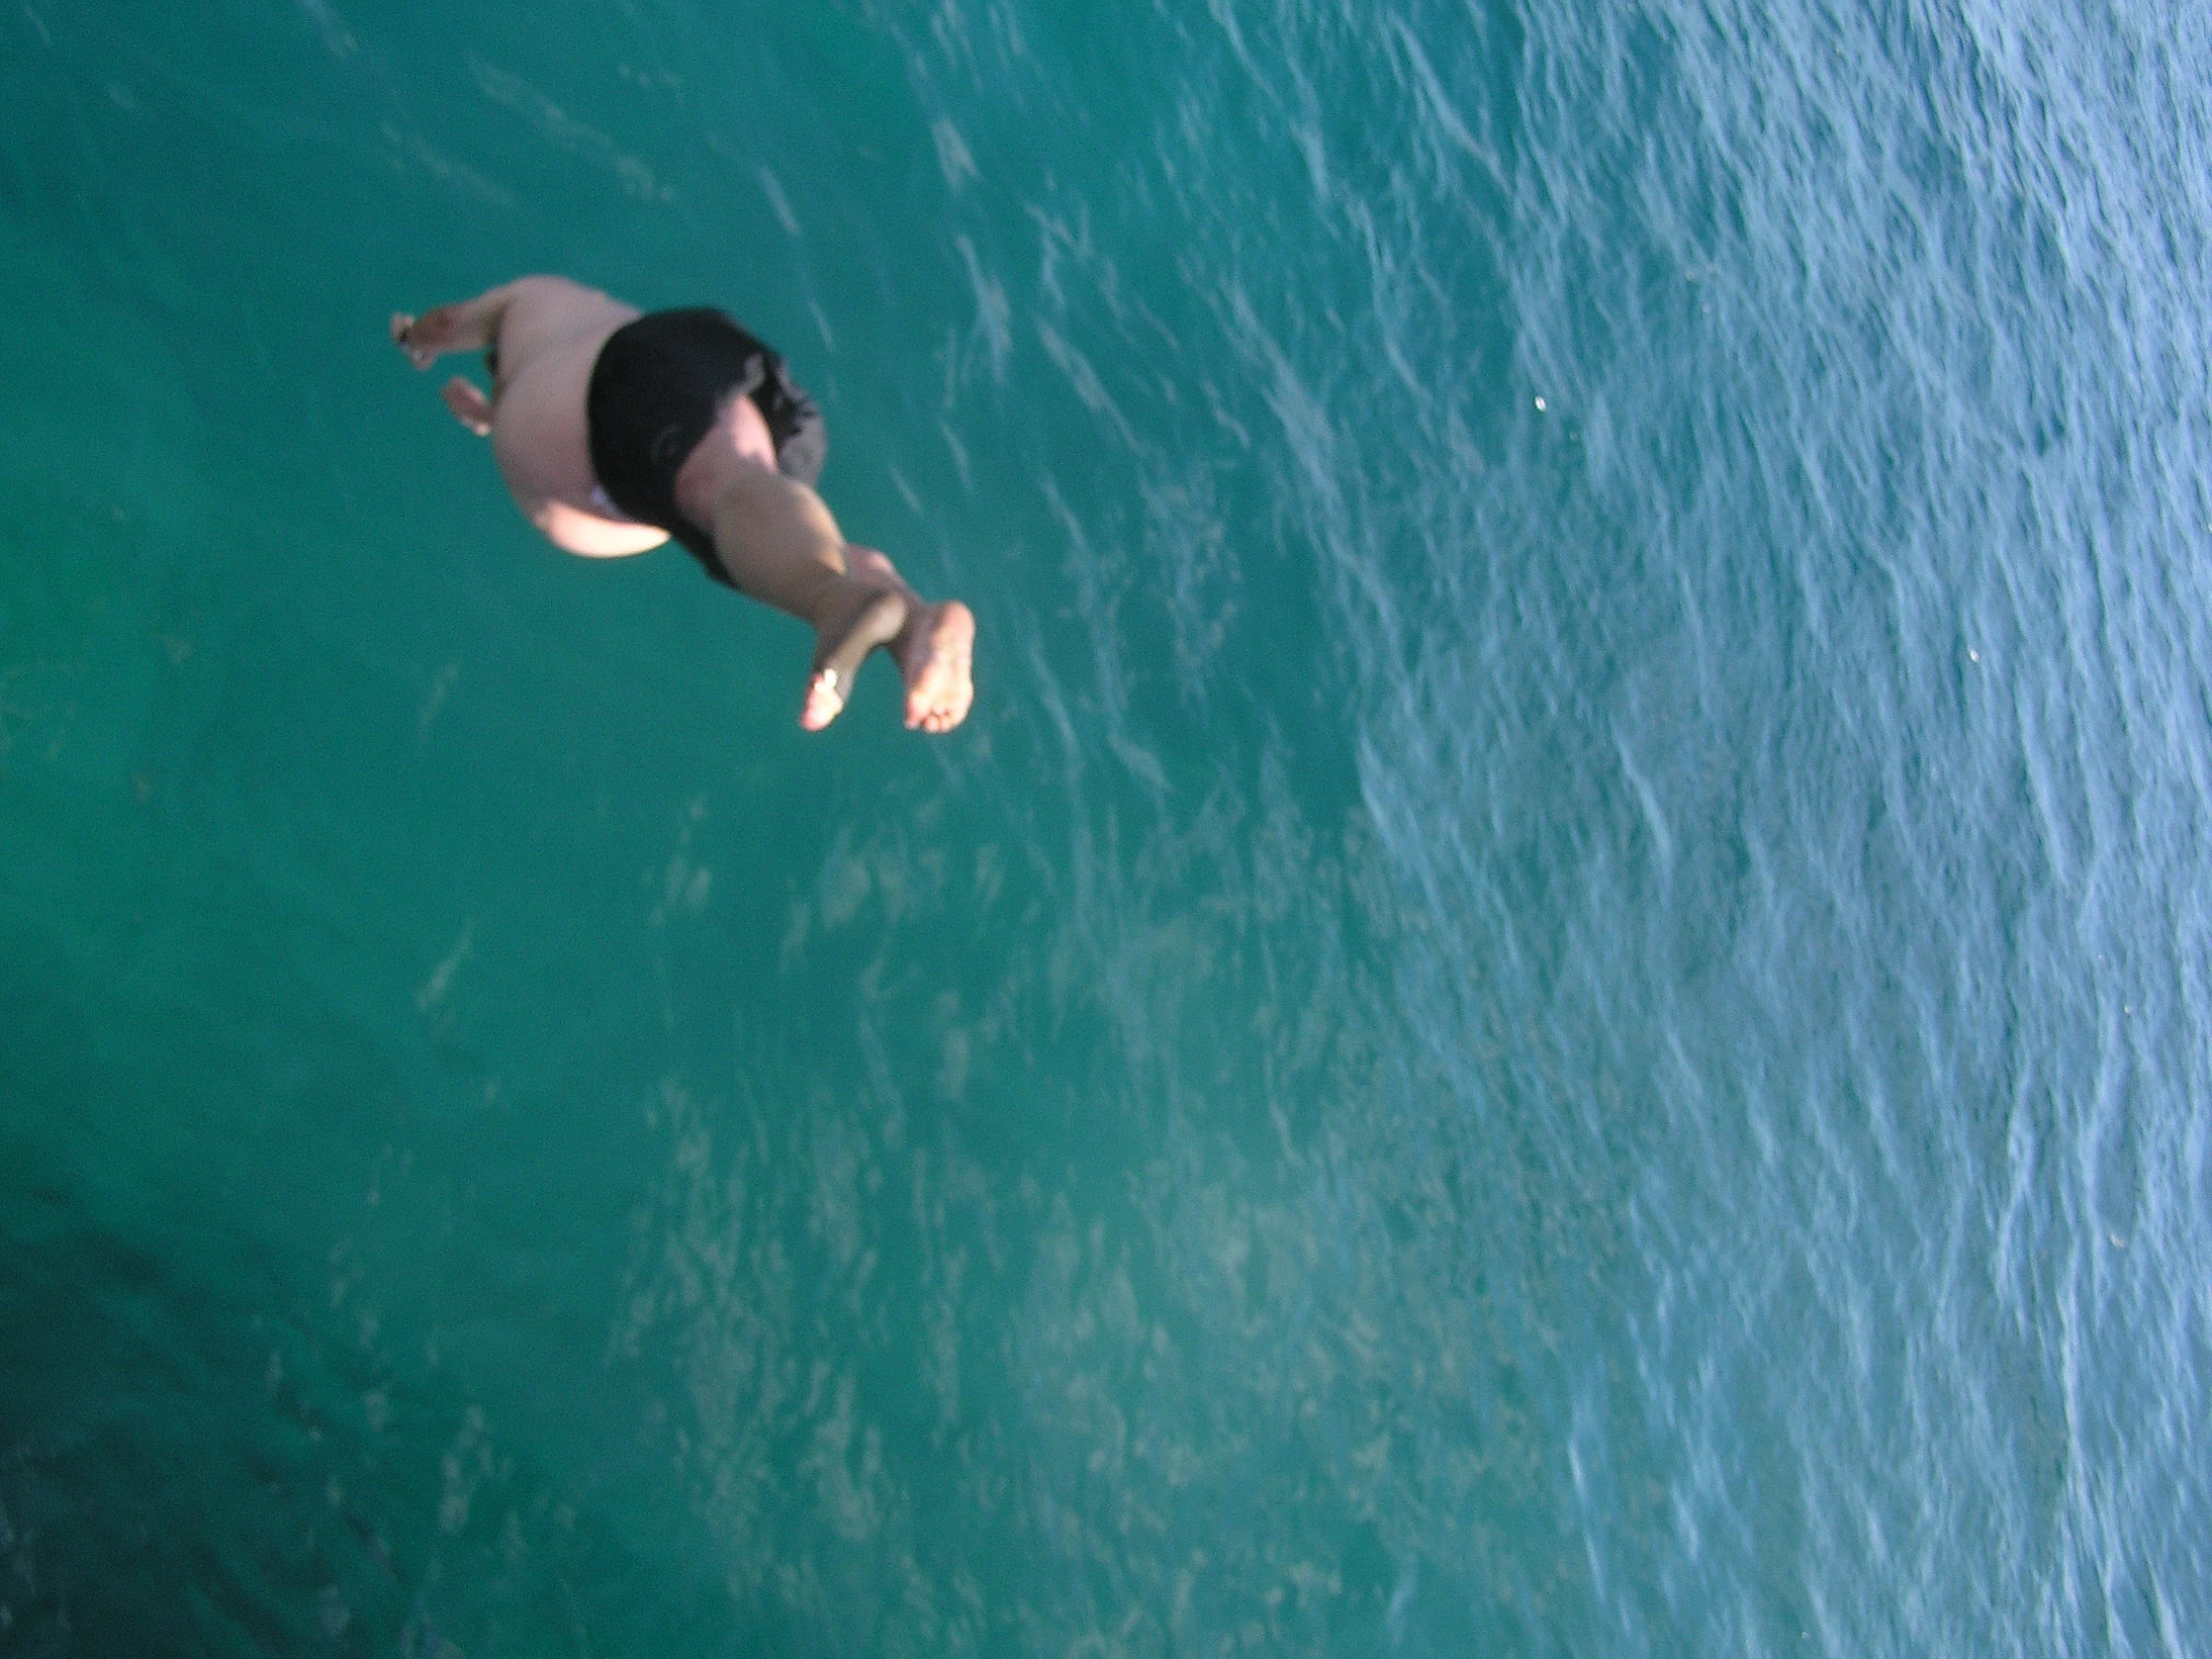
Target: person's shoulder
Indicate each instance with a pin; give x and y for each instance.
(541, 309)
(547, 286)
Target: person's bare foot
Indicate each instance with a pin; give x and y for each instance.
(934, 650)
(874, 616)
(935, 653)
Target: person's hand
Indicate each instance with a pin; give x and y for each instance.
(469, 405)
(403, 335)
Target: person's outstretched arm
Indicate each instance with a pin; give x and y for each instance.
(467, 325)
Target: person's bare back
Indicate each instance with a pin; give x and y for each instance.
(680, 413)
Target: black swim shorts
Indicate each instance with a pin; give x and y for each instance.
(659, 386)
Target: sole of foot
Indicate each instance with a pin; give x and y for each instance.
(935, 658)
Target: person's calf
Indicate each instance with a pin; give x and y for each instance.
(776, 540)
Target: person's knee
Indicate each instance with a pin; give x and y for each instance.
(761, 494)
(744, 487)
(748, 434)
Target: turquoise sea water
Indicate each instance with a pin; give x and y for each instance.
(1555, 1004)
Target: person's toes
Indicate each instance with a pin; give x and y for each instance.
(941, 688)
(823, 702)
